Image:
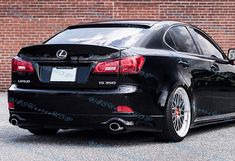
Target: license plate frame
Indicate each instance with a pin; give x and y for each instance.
(59, 74)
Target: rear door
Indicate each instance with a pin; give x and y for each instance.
(194, 68)
(222, 79)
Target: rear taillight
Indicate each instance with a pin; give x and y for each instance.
(126, 65)
(19, 65)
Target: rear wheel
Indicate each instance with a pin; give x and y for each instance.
(177, 116)
(43, 131)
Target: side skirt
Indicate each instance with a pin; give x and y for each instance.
(214, 119)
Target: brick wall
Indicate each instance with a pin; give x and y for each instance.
(28, 22)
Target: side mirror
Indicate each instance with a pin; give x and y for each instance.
(231, 54)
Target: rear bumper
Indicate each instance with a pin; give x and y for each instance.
(131, 123)
(84, 109)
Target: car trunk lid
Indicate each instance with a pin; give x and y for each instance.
(67, 66)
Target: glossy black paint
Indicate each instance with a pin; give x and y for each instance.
(209, 81)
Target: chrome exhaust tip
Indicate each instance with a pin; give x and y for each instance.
(115, 126)
(14, 122)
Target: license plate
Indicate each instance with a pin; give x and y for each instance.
(63, 74)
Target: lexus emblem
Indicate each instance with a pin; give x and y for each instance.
(61, 54)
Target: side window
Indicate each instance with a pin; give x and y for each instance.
(181, 40)
(169, 40)
(207, 47)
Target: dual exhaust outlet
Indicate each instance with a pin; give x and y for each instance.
(114, 125)
(14, 122)
(118, 124)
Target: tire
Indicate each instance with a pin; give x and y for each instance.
(43, 131)
(177, 116)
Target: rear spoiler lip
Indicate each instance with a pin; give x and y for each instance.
(24, 49)
(89, 45)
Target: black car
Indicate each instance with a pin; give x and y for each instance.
(121, 76)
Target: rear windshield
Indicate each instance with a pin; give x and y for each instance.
(115, 36)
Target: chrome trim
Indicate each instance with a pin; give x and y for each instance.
(164, 35)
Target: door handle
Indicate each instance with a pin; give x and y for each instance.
(183, 63)
(214, 68)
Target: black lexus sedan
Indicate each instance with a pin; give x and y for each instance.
(121, 76)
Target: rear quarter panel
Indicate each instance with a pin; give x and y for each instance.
(159, 75)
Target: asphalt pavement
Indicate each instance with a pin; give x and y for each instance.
(211, 143)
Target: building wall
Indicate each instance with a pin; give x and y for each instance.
(29, 22)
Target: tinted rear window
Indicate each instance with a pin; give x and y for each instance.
(115, 36)
(182, 40)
